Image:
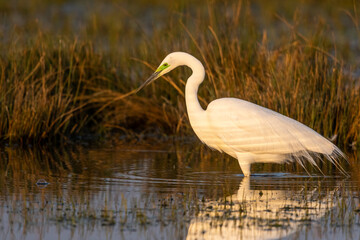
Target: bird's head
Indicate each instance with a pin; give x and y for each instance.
(168, 64)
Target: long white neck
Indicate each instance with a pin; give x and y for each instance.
(194, 109)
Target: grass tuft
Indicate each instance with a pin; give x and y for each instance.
(75, 77)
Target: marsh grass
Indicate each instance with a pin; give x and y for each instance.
(74, 78)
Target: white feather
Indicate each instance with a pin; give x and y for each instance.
(244, 130)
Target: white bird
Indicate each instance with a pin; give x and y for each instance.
(244, 130)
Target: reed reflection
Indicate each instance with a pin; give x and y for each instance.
(265, 213)
(166, 191)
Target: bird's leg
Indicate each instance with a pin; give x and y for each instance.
(245, 167)
(245, 161)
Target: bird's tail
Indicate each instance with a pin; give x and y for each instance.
(311, 156)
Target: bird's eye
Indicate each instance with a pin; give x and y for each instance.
(165, 64)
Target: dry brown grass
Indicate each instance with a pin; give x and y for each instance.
(57, 85)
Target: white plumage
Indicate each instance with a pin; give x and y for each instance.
(244, 130)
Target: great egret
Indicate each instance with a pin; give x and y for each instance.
(244, 130)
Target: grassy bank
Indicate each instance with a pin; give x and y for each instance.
(66, 68)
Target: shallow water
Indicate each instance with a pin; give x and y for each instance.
(167, 191)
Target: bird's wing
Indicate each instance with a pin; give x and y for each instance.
(244, 126)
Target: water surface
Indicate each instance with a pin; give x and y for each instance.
(167, 191)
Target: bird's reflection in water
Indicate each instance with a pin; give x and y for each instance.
(261, 213)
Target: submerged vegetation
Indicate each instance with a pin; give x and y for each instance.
(67, 73)
(166, 193)
(66, 68)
